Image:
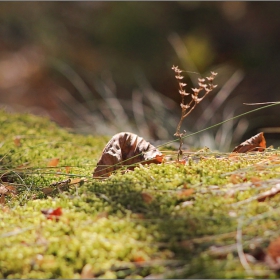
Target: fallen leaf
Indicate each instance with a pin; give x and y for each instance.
(272, 257)
(67, 169)
(235, 179)
(17, 141)
(11, 189)
(255, 143)
(47, 191)
(52, 214)
(185, 193)
(124, 149)
(2, 199)
(138, 259)
(183, 162)
(53, 162)
(148, 198)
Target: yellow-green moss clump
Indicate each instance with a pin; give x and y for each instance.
(170, 220)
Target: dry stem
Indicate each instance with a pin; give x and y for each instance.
(187, 108)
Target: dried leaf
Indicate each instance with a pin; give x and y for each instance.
(183, 162)
(185, 193)
(256, 181)
(126, 148)
(52, 214)
(272, 257)
(53, 162)
(2, 199)
(255, 143)
(235, 179)
(148, 198)
(47, 191)
(17, 141)
(138, 259)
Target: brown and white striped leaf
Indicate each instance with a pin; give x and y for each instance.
(126, 149)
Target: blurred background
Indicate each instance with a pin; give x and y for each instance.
(105, 67)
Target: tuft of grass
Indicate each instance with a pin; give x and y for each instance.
(196, 97)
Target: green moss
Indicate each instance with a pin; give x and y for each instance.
(109, 224)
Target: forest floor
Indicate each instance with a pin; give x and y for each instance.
(213, 215)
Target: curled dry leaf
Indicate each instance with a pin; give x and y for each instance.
(255, 143)
(125, 148)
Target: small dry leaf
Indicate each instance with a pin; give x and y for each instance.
(256, 181)
(47, 191)
(235, 179)
(138, 259)
(123, 149)
(53, 162)
(2, 199)
(17, 141)
(11, 189)
(255, 143)
(67, 169)
(148, 198)
(183, 162)
(185, 193)
(272, 257)
(52, 214)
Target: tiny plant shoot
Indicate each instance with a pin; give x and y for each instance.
(205, 87)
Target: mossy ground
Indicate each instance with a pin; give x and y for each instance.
(170, 220)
